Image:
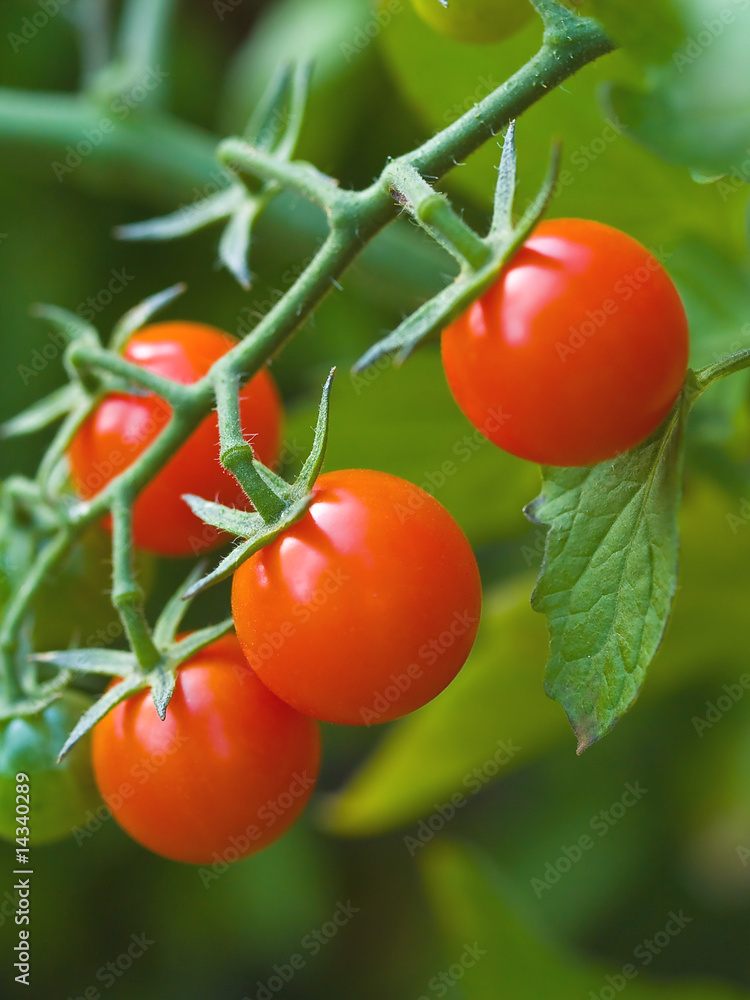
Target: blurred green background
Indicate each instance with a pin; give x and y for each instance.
(501, 899)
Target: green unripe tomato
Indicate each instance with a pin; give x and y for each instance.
(60, 793)
(478, 21)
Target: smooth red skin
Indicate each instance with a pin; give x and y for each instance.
(123, 426)
(242, 747)
(599, 399)
(398, 568)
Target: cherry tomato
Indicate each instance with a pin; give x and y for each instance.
(55, 798)
(223, 776)
(123, 426)
(479, 21)
(366, 608)
(578, 351)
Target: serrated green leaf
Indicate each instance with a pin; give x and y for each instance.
(109, 700)
(43, 412)
(609, 575)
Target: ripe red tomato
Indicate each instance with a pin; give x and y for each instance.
(123, 426)
(227, 772)
(366, 608)
(578, 351)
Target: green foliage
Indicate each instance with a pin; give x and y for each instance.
(609, 575)
(474, 904)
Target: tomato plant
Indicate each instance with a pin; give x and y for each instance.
(123, 426)
(576, 353)
(60, 793)
(478, 21)
(366, 608)
(226, 773)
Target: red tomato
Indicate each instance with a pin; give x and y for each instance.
(366, 608)
(227, 772)
(123, 426)
(578, 351)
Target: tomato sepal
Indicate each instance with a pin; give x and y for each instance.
(502, 242)
(40, 698)
(274, 128)
(258, 532)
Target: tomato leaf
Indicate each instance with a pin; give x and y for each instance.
(609, 574)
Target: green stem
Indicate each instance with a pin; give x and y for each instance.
(720, 369)
(434, 213)
(127, 596)
(84, 357)
(18, 606)
(242, 159)
(236, 453)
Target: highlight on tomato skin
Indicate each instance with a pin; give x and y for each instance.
(227, 772)
(364, 610)
(123, 426)
(577, 353)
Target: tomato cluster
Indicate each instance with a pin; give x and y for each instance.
(359, 613)
(367, 607)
